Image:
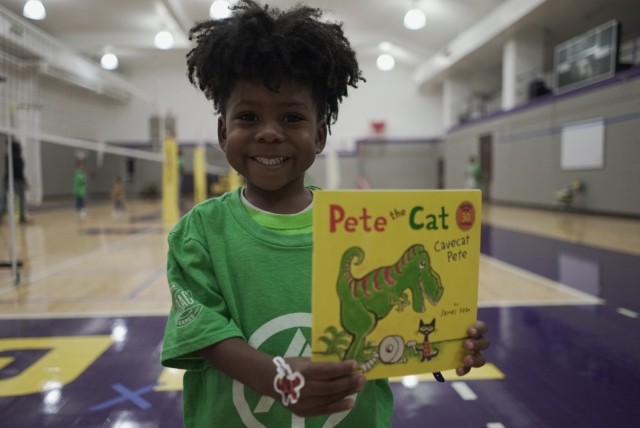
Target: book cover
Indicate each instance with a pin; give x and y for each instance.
(395, 278)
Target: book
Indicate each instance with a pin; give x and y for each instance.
(394, 278)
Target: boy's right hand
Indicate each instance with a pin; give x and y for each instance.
(327, 386)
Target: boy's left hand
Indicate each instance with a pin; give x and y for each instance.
(474, 345)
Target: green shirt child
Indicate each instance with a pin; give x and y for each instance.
(216, 248)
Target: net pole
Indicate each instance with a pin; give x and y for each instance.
(199, 174)
(13, 248)
(170, 171)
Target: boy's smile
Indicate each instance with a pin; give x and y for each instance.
(270, 161)
(271, 138)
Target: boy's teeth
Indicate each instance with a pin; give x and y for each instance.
(270, 161)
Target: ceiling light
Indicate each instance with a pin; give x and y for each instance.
(415, 19)
(219, 10)
(164, 40)
(34, 9)
(385, 62)
(109, 61)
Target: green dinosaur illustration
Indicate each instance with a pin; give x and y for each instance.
(365, 301)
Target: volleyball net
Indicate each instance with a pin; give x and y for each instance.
(59, 105)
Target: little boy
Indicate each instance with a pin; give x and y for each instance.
(80, 187)
(239, 265)
(117, 197)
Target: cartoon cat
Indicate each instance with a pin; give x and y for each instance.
(426, 329)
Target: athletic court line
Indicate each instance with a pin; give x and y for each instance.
(573, 295)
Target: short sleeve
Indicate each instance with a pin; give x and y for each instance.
(199, 316)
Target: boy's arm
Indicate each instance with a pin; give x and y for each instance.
(235, 358)
(326, 387)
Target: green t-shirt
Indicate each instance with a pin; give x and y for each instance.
(473, 174)
(80, 184)
(231, 277)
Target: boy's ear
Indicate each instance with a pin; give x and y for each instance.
(222, 133)
(321, 136)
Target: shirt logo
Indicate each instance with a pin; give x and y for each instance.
(298, 347)
(184, 305)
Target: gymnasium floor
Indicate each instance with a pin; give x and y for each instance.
(80, 338)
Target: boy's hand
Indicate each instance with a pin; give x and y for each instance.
(473, 346)
(326, 386)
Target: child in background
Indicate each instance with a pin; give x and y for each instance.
(80, 187)
(472, 174)
(117, 197)
(239, 265)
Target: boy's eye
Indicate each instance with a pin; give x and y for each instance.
(248, 117)
(293, 118)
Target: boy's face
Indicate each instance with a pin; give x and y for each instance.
(271, 138)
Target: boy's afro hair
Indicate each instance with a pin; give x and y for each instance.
(273, 46)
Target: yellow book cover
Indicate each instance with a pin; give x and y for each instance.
(395, 278)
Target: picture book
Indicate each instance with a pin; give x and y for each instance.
(395, 278)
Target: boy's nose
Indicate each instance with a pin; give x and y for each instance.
(270, 131)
